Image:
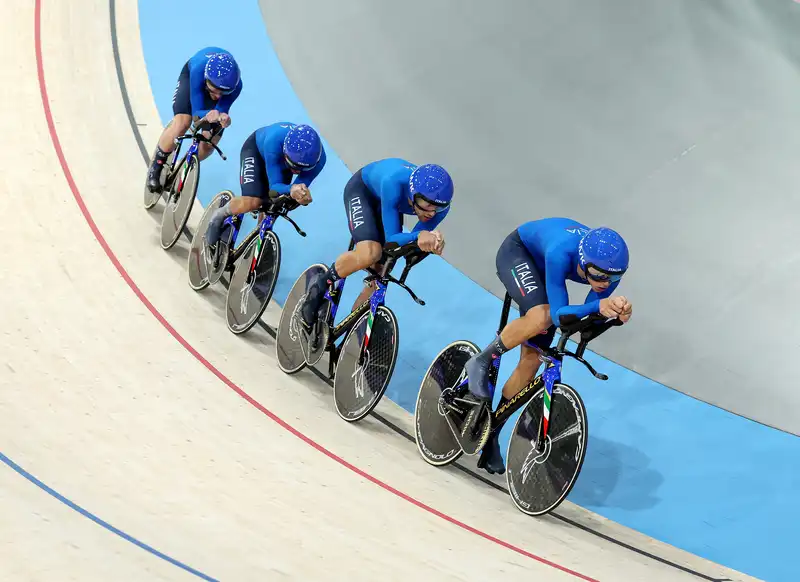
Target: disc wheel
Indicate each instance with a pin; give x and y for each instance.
(540, 478)
(360, 382)
(435, 440)
(252, 284)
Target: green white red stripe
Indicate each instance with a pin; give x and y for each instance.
(546, 397)
(255, 255)
(369, 329)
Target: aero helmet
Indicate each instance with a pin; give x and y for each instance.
(432, 184)
(606, 251)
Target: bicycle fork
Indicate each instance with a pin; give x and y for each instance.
(266, 225)
(183, 172)
(551, 376)
(376, 300)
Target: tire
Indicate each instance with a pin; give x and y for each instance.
(539, 481)
(435, 440)
(198, 276)
(175, 215)
(152, 198)
(239, 314)
(287, 339)
(358, 389)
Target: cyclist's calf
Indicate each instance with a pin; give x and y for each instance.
(526, 370)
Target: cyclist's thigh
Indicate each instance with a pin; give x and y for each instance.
(363, 213)
(542, 340)
(181, 98)
(517, 271)
(253, 171)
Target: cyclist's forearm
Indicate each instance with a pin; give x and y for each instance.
(579, 311)
(402, 238)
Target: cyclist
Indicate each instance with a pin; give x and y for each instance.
(375, 199)
(208, 85)
(533, 263)
(270, 159)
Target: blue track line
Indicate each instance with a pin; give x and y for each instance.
(100, 522)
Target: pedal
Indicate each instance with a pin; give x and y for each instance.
(215, 252)
(315, 340)
(314, 337)
(472, 432)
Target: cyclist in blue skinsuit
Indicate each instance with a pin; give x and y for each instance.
(270, 159)
(375, 199)
(534, 263)
(208, 85)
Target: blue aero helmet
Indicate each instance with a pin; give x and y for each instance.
(432, 184)
(606, 251)
(222, 73)
(302, 148)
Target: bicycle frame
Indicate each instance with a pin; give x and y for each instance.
(260, 232)
(276, 210)
(190, 154)
(376, 299)
(370, 306)
(266, 226)
(549, 377)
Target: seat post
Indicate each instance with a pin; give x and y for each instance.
(504, 313)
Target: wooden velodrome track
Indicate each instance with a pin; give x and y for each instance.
(142, 440)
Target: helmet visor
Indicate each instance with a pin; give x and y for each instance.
(596, 274)
(296, 168)
(438, 206)
(213, 87)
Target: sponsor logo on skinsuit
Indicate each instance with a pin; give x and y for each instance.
(523, 275)
(578, 231)
(248, 171)
(356, 213)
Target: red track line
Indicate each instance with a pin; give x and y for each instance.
(124, 274)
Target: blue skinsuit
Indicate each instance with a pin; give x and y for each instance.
(387, 182)
(553, 244)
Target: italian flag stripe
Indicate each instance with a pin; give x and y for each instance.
(369, 329)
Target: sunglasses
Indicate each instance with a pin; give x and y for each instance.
(213, 87)
(439, 207)
(296, 168)
(602, 276)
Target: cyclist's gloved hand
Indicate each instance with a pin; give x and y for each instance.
(300, 194)
(612, 307)
(626, 309)
(213, 116)
(430, 242)
(225, 120)
(607, 308)
(440, 242)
